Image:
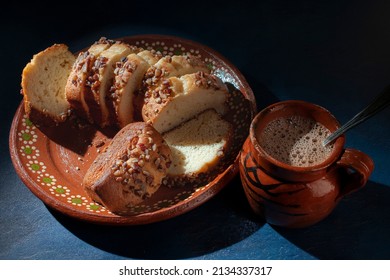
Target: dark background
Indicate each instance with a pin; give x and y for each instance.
(333, 53)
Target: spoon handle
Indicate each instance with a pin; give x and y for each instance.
(378, 104)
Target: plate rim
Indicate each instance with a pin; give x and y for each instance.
(162, 214)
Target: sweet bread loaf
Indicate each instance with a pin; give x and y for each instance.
(43, 85)
(198, 147)
(129, 73)
(176, 100)
(76, 85)
(100, 81)
(130, 170)
(193, 123)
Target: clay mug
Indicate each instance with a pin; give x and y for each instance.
(294, 196)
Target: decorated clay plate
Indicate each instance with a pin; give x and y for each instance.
(52, 161)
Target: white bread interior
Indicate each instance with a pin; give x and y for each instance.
(44, 80)
(198, 144)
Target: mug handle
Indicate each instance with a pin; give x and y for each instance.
(358, 167)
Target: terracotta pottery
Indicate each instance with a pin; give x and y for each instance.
(291, 196)
(52, 161)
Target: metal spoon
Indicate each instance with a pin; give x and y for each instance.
(378, 104)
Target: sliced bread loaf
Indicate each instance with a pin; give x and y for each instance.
(129, 73)
(100, 81)
(130, 170)
(177, 100)
(76, 85)
(198, 147)
(43, 85)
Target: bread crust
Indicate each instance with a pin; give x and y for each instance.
(172, 66)
(100, 81)
(42, 118)
(124, 86)
(130, 170)
(76, 87)
(166, 67)
(157, 102)
(129, 73)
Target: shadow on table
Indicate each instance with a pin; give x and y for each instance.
(359, 228)
(217, 224)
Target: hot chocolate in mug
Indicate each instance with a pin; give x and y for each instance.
(289, 178)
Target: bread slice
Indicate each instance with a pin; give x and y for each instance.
(177, 100)
(129, 73)
(130, 170)
(198, 147)
(100, 81)
(76, 85)
(172, 66)
(43, 85)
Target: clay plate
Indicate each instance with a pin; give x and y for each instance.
(52, 161)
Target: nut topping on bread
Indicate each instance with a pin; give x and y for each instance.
(130, 170)
(100, 81)
(172, 66)
(129, 73)
(76, 87)
(177, 100)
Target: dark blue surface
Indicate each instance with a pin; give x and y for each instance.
(333, 53)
